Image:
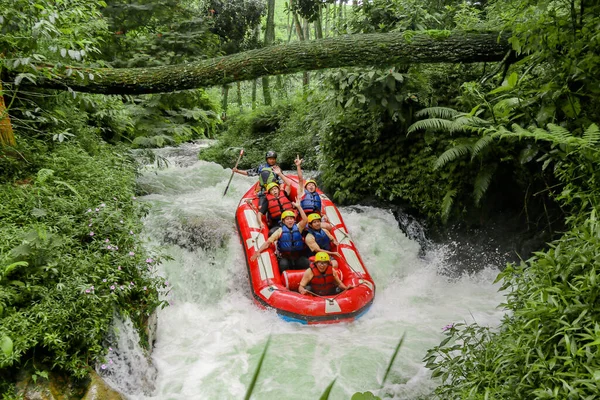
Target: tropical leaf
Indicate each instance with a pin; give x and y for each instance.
(480, 145)
(6, 344)
(482, 182)
(437, 112)
(592, 135)
(447, 204)
(431, 124)
(560, 133)
(453, 154)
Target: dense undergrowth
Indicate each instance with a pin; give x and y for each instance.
(71, 255)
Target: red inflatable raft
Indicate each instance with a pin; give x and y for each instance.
(271, 289)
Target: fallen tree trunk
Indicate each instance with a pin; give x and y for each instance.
(342, 51)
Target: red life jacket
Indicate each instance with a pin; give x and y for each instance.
(322, 284)
(277, 205)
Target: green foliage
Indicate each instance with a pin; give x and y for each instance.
(173, 118)
(414, 15)
(235, 23)
(70, 256)
(290, 128)
(150, 33)
(41, 31)
(547, 344)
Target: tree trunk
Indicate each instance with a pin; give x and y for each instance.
(377, 49)
(239, 94)
(305, 75)
(318, 25)
(269, 39)
(224, 99)
(298, 26)
(7, 136)
(254, 83)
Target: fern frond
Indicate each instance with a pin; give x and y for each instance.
(431, 124)
(447, 203)
(437, 112)
(591, 136)
(482, 182)
(481, 144)
(452, 154)
(560, 133)
(507, 104)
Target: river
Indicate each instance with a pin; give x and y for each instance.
(210, 338)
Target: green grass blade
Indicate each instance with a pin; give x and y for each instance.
(325, 395)
(393, 358)
(258, 367)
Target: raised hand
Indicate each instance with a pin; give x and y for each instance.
(298, 161)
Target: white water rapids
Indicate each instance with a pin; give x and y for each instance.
(211, 337)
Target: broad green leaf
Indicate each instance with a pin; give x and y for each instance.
(6, 344)
(512, 79)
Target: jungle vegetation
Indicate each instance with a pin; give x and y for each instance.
(497, 108)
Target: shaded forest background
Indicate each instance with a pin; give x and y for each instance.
(451, 142)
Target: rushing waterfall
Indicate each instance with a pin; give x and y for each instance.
(210, 338)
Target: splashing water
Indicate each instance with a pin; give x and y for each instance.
(210, 339)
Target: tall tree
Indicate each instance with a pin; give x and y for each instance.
(269, 39)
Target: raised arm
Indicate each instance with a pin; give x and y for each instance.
(285, 179)
(304, 220)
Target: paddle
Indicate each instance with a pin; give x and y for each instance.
(231, 177)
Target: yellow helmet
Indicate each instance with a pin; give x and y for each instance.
(322, 256)
(310, 181)
(312, 217)
(271, 186)
(286, 214)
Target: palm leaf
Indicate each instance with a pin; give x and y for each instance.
(452, 154)
(447, 204)
(482, 182)
(389, 367)
(325, 395)
(257, 371)
(437, 112)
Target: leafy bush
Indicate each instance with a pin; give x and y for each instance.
(70, 257)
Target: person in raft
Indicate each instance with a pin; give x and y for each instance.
(265, 171)
(276, 201)
(310, 199)
(320, 278)
(290, 243)
(319, 239)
